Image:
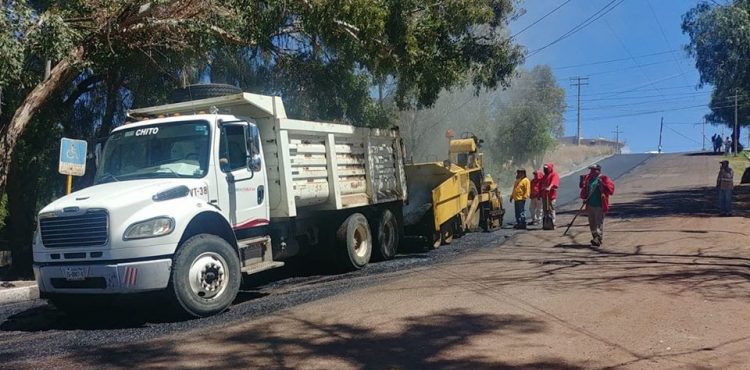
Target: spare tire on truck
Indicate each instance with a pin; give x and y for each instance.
(202, 91)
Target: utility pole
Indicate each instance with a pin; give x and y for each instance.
(735, 134)
(617, 133)
(661, 128)
(579, 81)
(704, 135)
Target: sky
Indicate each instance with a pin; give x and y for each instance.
(637, 69)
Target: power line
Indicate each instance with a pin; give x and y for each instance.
(664, 35)
(648, 96)
(639, 87)
(672, 100)
(657, 111)
(591, 19)
(622, 44)
(683, 135)
(626, 68)
(540, 19)
(614, 60)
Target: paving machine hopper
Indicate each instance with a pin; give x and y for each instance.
(450, 198)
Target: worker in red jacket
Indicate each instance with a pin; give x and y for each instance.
(535, 208)
(595, 191)
(550, 183)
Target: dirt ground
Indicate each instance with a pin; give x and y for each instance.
(668, 290)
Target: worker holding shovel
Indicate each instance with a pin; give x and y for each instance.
(595, 191)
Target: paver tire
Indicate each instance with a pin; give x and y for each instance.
(202, 91)
(386, 236)
(354, 242)
(205, 275)
(472, 225)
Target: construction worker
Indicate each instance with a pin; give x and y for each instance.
(595, 192)
(550, 183)
(535, 208)
(725, 184)
(521, 192)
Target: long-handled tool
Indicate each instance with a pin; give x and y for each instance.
(578, 213)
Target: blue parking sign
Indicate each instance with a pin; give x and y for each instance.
(72, 157)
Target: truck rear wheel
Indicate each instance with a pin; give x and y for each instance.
(354, 242)
(205, 275)
(386, 236)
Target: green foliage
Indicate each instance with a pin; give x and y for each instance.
(518, 125)
(718, 42)
(532, 119)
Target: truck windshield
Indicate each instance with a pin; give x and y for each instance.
(175, 149)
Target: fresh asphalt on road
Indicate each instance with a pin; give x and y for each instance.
(35, 332)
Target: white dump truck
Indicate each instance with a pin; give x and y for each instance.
(191, 195)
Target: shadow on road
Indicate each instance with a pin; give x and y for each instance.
(712, 275)
(695, 202)
(428, 341)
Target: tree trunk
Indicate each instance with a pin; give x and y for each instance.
(10, 134)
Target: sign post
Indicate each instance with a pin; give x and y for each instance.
(72, 159)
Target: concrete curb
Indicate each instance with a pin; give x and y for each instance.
(19, 294)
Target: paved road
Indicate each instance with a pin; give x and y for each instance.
(615, 167)
(36, 333)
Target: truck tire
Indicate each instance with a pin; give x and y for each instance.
(354, 242)
(205, 275)
(202, 91)
(386, 236)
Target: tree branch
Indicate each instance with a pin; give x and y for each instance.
(83, 87)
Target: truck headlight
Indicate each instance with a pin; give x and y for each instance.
(154, 227)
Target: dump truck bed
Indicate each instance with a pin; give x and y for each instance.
(311, 165)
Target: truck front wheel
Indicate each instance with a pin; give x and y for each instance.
(205, 275)
(354, 242)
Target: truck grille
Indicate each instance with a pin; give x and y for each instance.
(85, 230)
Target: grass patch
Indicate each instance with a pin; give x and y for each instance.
(738, 164)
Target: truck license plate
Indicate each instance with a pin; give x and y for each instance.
(74, 273)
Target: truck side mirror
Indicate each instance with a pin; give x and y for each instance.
(253, 149)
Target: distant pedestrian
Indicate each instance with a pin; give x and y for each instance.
(535, 208)
(725, 184)
(728, 146)
(719, 143)
(550, 183)
(715, 141)
(595, 191)
(521, 192)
